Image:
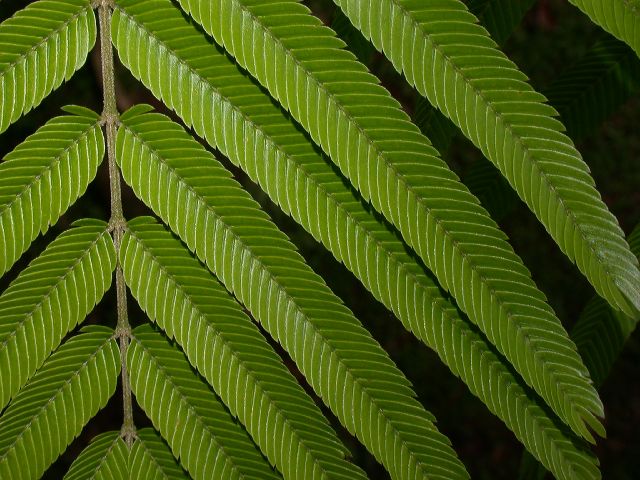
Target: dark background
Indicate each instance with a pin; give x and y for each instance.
(552, 36)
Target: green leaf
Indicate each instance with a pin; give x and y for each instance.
(394, 167)
(224, 226)
(151, 459)
(601, 332)
(49, 298)
(436, 127)
(106, 458)
(500, 18)
(42, 177)
(213, 330)
(484, 94)
(585, 94)
(199, 430)
(40, 47)
(58, 401)
(621, 18)
(271, 150)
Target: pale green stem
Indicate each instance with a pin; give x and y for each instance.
(117, 222)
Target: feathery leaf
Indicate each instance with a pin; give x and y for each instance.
(500, 18)
(151, 459)
(585, 94)
(213, 330)
(69, 389)
(49, 298)
(392, 164)
(40, 47)
(106, 458)
(225, 227)
(200, 431)
(43, 176)
(454, 63)
(621, 18)
(601, 332)
(269, 147)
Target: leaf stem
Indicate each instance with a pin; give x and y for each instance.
(117, 222)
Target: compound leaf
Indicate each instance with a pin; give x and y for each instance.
(213, 330)
(454, 63)
(270, 149)
(601, 332)
(43, 176)
(224, 226)
(151, 458)
(49, 298)
(621, 18)
(40, 47)
(106, 458)
(69, 389)
(394, 167)
(200, 431)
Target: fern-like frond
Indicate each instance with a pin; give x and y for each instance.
(69, 389)
(200, 431)
(151, 459)
(621, 18)
(414, 189)
(601, 332)
(269, 147)
(500, 18)
(106, 458)
(586, 93)
(225, 227)
(40, 47)
(213, 330)
(43, 176)
(454, 63)
(437, 128)
(49, 298)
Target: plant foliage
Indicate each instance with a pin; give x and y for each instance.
(224, 292)
(69, 389)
